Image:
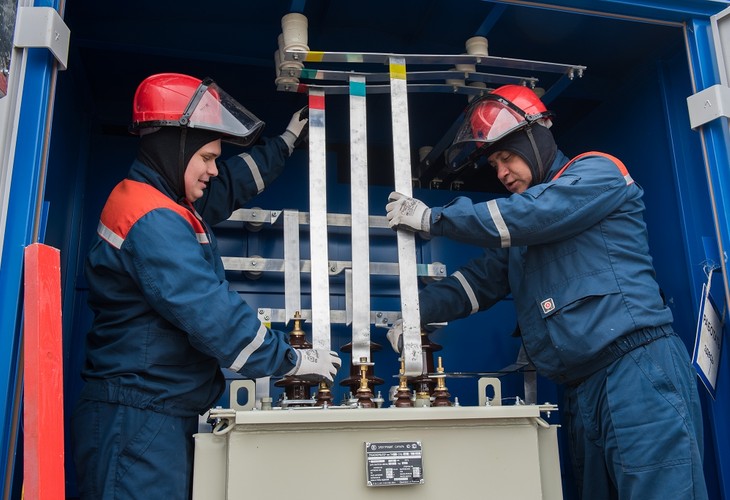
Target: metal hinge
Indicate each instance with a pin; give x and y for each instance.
(42, 27)
(708, 104)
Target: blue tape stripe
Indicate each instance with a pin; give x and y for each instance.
(357, 88)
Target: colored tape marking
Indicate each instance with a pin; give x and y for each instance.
(398, 71)
(314, 56)
(357, 88)
(316, 102)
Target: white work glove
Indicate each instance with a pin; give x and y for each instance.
(408, 213)
(395, 336)
(316, 364)
(296, 131)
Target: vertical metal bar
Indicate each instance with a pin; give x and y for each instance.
(348, 297)
(318, 221)
(292, 278)
(406, 240)
(360, 222)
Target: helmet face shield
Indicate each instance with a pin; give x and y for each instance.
(177, 100)
(489, 120)
(211, 108)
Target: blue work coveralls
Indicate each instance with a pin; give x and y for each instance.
(165, 321)
(573, 252)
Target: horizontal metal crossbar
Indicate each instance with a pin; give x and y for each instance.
(426, 59)
(261, 264)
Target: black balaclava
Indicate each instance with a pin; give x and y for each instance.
(527, 143)
(161, 151)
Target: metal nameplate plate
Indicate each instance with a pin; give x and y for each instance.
(394, 463)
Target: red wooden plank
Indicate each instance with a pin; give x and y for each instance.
(43, 378)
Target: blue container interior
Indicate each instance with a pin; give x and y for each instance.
(630, 103)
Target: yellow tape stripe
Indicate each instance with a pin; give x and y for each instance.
(398, 71)
(314, 56)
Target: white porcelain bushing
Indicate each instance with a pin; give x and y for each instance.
(294, 29)
(477, 46)
(423, 152)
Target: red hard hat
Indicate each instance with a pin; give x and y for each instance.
(162, 98)
(489, 119)
(524, 98)
(177, 100)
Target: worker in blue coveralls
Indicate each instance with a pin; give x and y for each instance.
(570, 245)
(165, 320)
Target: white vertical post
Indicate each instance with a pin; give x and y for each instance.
(292, 265)
(318, 221)
(360, 222)
(412, 350)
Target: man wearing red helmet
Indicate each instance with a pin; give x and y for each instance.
(165, 320)
(570, 245)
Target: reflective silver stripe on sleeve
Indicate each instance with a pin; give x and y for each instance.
(499, 223)
(629, 179)
(255, 173)
(114, 239)
(249, 349)
(202, 237)
(469, 291)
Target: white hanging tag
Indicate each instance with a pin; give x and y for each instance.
(708, 340)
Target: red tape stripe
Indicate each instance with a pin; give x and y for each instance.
(316, 101)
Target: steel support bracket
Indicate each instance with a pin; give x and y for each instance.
(709, 104)
(42, 27)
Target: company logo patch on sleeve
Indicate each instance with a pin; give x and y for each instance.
(547, 305)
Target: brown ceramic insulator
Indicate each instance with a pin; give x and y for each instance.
(441, 393)
(441, 397)
(403, 398)
(429, 347)
(365, 398)
(423, 383)
(353, 381)
(324, 395)
(294, 388)
(363, 394)
(297, 338)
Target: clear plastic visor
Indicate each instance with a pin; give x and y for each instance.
(485, 123)
(490, 121)
(211, 108)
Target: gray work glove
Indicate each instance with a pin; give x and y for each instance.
(297, 130)
(408, 213)
(316, 364)
(395, 336)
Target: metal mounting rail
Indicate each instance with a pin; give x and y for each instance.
(427, 59)
(259, 216)
(336, 75)
(431, 88)
(335, 267)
